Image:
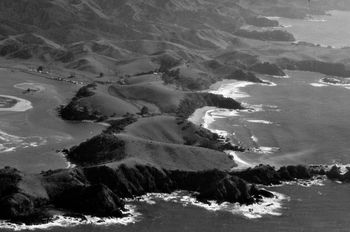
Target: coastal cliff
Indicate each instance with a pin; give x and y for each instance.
(100, 190)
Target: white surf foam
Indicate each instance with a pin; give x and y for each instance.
(267, 207)
(317, 20)
(337, 82)
(273, 17)
(266, 150)
(268, 83)
(281, 77)
(20, 106)
(62, 221)
(212, 114)
(260, 121)
(286, 26)
(254, 138)
(10, 143)
(318, 85)
(233, 89)
(240, 162)
(316, 181)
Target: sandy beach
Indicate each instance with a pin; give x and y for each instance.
(21, 105)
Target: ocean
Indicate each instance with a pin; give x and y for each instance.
(324, 30)
(294, 120)
(306, 122)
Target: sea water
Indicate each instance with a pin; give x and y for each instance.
(325, 30)
(307, 123)
(299, 120)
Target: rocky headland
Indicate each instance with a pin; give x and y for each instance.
(145, 72)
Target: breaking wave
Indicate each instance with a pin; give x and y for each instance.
(63, 221)
(267, 207)
(10, 143)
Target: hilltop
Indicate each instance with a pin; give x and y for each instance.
(142, 68)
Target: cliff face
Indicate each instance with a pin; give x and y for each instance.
(268, 175)
(244, 76)
(100, 190)
(195, 101)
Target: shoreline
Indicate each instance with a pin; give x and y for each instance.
(13, 142)
(21, 105)
(60, 221)
(206, 116)
(267, 206)
(34, 87)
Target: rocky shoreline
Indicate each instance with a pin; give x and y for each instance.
(100, 190)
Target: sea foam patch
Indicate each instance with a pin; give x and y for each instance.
(315, 181)
(260, 121)
(10, 143)
(241, 164)
(63, 221)
(266, 207)
(266, 150)
(268, 83)
(233, 89)
(318, 85)
(332, 81)
(281, 77)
